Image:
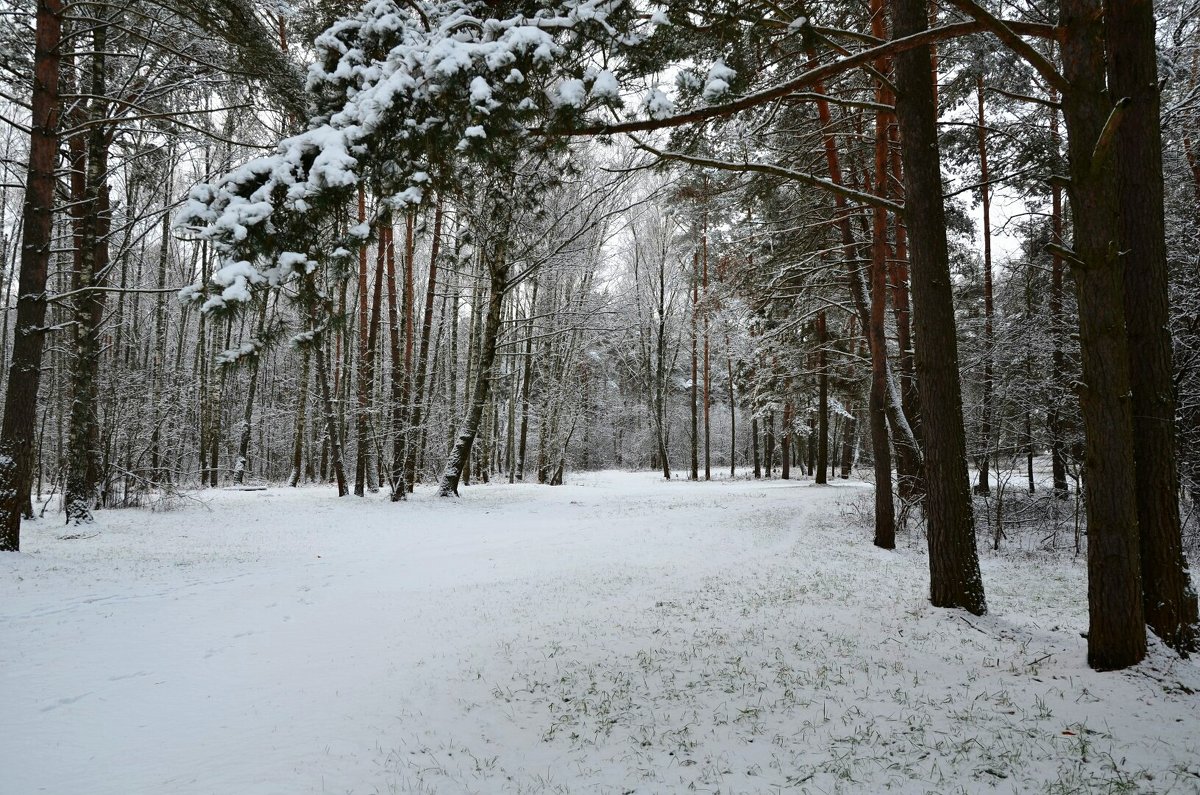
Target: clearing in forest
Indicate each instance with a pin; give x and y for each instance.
(618, 634)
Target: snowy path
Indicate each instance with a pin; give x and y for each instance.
(618, 634)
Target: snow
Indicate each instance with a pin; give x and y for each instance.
(605, 85)
(717, 82)
(571, 93)
(617, 634)
(658, 104)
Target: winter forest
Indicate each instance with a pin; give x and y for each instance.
(599, 396)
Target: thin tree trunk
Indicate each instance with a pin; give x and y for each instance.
(363, 394)
(239, 469)
(301, 413)
(410, 461)
(396, 471)
(498, 270)
(822, 474)
(527, 381)
(754, 446)
(732, 416)
(985, 425)
(707, 358)
(331, 420)
(695, 470)
(1058, 358)
(90, 193)
(785, 443)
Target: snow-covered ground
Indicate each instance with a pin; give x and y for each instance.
(615, 635)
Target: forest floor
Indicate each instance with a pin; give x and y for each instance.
(616, 635)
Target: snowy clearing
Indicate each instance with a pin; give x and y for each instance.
(615, 635)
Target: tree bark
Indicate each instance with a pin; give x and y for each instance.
(365, 378)
(1169, 601)
(953, 560)
(498, 272)
(410, 461)
(239, 469)
(1117, 630)
(695, 470)
(822, 472)
(985, 425)
(301, 416)
(89, 183)
(25, 370)
(1058, 357)
(754, 446)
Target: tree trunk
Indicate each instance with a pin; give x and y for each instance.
(301, 412)
(849, 443)
(707, 357)
(822, 473)
(363, 393)
(1169, 601)
(695, 470)
(410, 461)
(24, 374)
(909, 463)
(785, 443)
(396, 470)
(1117, 630)
(732, 416)
(1058, 357)
(754, 446)
(885, 511)
(239, 469)
(953, 561)
(985, 425)
(89, 183)
(527, 381)
(498, 271)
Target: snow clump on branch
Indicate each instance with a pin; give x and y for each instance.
(415, 97)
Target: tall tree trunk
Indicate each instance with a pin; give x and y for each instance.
(660, 373)
(396, 470)
(498, 272)
(410, 461)
(909, 463)
(707, 357)
(785, 442)
(754, 446)
(1117, 630)
(695, 471)
(985, 425)
(301, 415)
(822, 472)
(91, 194)
(1169, 601)
(849, 443)
(909, 456)
(24, 374)
(333, 440)
(1058, 357)
(527, 381)
(404, 438)
(239, 468)
(362, 420)
(732, 415)
(885, 511)
(953, 560)
(769, 444)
